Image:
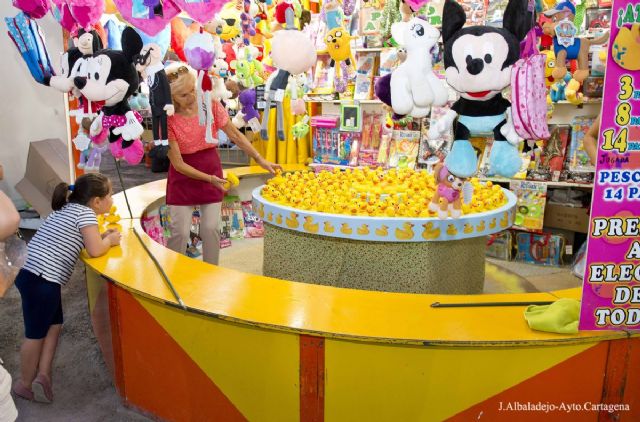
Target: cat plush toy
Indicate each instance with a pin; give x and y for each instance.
(478, 62)
(112, 77)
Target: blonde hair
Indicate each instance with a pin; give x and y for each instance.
(180, 81)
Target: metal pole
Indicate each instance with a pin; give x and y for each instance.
(488, 304)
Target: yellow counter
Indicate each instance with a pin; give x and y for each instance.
(269, 349)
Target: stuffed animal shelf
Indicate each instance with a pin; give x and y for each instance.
(413, 88)
(478, 61)
(284, 42)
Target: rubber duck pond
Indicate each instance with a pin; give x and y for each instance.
(375, 230)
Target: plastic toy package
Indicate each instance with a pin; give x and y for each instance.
(253, 225)
(541, 249)
(578, 160)
(403, 150)
(530, 206)
(371, 140)
(500, 245)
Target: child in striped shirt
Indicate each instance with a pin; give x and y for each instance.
(52, 256)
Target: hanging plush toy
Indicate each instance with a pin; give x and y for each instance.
(333, 14)
(285, 42)
(478, 62)
(200, 52)
(247, 23)
(565, 43)
(413, 88)
(220, 71)
(338, 46)
(248, 114)
(247, 69)
(112, 78)
(149, 64)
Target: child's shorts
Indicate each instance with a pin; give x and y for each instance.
(41, 304)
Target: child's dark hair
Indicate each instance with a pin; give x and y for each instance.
(87, 186)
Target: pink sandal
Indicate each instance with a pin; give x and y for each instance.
(23, 392)
(42, 390)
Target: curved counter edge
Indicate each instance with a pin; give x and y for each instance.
(301, 308)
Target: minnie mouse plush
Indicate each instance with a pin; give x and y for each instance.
(478, 61)
(112, 77)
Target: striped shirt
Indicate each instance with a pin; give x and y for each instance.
(55, 248)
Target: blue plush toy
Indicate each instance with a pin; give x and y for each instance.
(478, 61)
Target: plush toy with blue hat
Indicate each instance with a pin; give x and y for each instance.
(565, 43)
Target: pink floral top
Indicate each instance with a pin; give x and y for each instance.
(188, 133)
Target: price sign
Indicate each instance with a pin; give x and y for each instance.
(611, 287)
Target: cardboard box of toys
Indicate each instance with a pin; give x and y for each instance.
(569, 218)
(47, 165)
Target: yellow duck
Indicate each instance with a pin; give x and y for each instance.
(261, 211)
(363, 230)
(492, 224)
(345, 229)
(292, 220)
(504, 221)
(481, 227)
(309, 226)
(270, 216)
(405, 233)
(328, 227)
(429, 232)
(279, 219)
(451, 230)
(468, 229)
(383, 231)
(112, 218)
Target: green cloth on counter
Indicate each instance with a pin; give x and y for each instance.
(560, 317)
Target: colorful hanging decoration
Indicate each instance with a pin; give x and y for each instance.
(28, 39)
(86, 12)
(200, 10)
(149, 19)
(200, 52)
(34, 9)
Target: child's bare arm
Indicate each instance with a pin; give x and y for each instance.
(95, 244)
(9, 217)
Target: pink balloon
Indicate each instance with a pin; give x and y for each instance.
(202, 11)
(416, 4)
(86, 12)
(34, 8)
(148, 26)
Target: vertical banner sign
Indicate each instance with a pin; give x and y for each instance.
(611, 288)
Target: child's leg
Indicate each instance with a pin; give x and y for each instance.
(209, 221)
(49, 350)
(29, 358)
(180, 226)
(41, 308)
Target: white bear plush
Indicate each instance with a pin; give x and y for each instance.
(414, 86)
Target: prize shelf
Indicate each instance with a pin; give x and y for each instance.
(546, 182)
(349, 101)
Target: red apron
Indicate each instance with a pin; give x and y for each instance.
(183, 190)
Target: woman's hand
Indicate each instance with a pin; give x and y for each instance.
(269, 166)
(218, 182)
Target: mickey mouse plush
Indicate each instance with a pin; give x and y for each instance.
(112, 77)
(478, 61)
